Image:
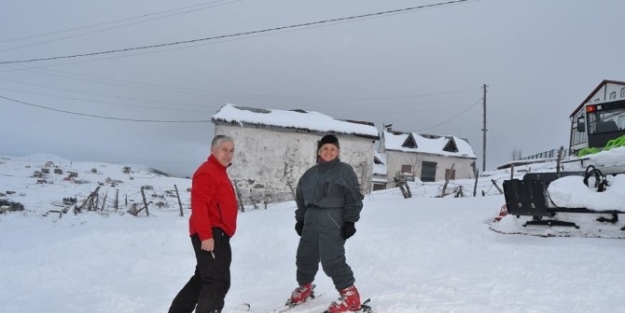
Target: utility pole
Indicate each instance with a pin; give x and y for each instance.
(484, 132)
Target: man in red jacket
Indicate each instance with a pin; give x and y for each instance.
(213, 221)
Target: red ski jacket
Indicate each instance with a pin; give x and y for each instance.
(213, 202)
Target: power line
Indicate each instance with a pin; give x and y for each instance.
(109, 28)
(148, 52)
(104, 102)
(453, 117)
(221, 94)
(328, 21)
(103, 95)
(101, 116)
(201, 7)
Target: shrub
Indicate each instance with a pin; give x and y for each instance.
(69, 201)
(11, 206)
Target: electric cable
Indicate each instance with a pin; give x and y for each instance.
(116, 21)
(102, 116)
(240, 34)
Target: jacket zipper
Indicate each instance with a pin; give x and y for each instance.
(335, 223)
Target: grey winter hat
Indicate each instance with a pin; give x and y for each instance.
(329, 139)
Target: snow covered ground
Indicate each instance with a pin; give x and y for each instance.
(423, 254)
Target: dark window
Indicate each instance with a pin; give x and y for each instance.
(406, 169)
(623, 92)
(428, 171)
(451, 146)
(450, 174)
(378, 187)
(607, 127)
(410, 143)
(613, 95)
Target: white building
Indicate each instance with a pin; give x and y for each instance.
(608, 91)
(427, 157)
(275, 147)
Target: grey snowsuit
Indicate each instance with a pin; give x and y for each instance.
(327, 196)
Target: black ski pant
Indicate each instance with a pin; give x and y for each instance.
(207, 288)
(321, 241)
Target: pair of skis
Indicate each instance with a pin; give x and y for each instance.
(290, 305)
(364, 307)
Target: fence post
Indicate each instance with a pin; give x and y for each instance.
(145, 202)
(477, 174)
(104, 200)
(560, 152)
(236, 188)
(447, 180)
(496, 186)
(116, 205)
(179, 203)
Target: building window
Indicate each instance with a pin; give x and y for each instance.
(578, 138)
(623, 92)
(406, 169)
(428, 171)
(379, 187)
(613, 95)
(450, 174)
(451, 146)
(410, 143)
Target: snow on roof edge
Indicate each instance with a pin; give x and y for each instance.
(292, 119)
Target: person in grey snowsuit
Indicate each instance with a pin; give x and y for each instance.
(329, 202)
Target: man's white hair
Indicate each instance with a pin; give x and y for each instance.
(217, 140)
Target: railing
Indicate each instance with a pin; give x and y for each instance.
(550, 154)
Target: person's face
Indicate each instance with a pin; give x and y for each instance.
(328, 152)
(224, 152)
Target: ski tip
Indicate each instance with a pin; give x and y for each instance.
(239, 307)
(365, 307)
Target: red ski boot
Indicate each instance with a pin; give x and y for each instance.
(348, 302)
(301, 294)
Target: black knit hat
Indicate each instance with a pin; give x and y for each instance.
(329, 139)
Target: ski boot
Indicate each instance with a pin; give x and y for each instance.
(348, 302)
(301, 294)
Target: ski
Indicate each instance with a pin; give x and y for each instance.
(239, 307)
(364, 307)
(289, 306)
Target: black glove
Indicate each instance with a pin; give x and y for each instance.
(348, 230)
(299, 226)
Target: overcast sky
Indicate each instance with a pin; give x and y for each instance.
(421, 70)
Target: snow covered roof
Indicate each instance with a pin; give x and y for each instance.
(294, 119)
(592, 93)
(431, 144)
(379, 158)
(379, 170)
(379, 166)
